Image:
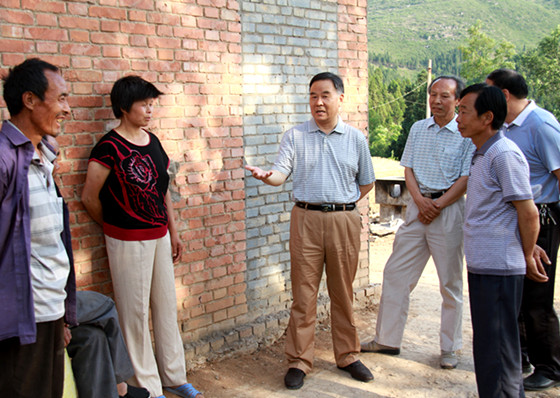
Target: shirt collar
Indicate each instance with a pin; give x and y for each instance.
(524, 114)
(491, 141)
(14, 134)
(451, 126)
(339, 128)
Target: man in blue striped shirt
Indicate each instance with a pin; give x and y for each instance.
(437, 161)
(331, 170)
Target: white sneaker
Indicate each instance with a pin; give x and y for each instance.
(448, 360)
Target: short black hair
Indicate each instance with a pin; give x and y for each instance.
(489, 99)
(129, 89)
(511, 81)
(459, 84)
(29, 76)
(335, 79)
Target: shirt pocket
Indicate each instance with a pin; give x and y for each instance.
(450, 162)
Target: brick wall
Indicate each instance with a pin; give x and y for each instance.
(235, 76)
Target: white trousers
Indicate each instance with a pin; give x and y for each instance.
(413, 245)
(143, 278)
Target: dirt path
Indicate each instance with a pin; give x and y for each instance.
(414, 373)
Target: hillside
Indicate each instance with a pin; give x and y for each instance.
(416, 30)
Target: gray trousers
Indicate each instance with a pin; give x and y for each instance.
(99, 355)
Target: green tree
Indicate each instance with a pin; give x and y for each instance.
(386, 109)
(541, 68)
(483, 54)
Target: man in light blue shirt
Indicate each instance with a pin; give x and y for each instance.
(537, 133)
(331, 170)
(437, 161)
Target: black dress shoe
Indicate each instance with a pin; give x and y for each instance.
(538, 382)
(358, 371)
(136, 392)
(294, 379)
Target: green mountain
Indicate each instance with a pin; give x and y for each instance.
(408, 32)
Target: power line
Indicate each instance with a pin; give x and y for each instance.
(401, 97)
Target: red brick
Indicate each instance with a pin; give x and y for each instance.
(78, 22)
(17, 17)
(107, 12)
(77, 9)
(47, 47)
(137, 28)
(108, 38)
(16, 46)
(138, 4)
(56, 7)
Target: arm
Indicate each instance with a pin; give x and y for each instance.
(364, 190)
(95, 178)
(428, 209)
(271, 177)
(176, 244)
(456, 191)
(528, 220)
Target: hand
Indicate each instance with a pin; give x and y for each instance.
(540, 256)
(67, 335)
(428, 210)
(176, 247)
(258, 173)
(535, 269)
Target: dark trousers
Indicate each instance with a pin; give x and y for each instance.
(34, 370)
(495, 303)
(99, 355)
(540, 335)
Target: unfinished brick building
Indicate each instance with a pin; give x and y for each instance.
(235, 75)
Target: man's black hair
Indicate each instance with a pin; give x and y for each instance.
(335, 79)
(459, 84)
(489, 99)
(129, 89)
(511, 81)
(29, 76)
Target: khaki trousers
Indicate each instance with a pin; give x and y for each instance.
(143, 278)
(330, 240)
(413, 245)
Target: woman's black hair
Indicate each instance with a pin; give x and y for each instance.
(129, 89)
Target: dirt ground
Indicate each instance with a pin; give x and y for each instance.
(414, 373)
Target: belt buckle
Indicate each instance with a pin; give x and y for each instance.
(325, 207)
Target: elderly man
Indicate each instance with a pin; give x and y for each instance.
(537, 133)
(332, 170)
(501, 228)
(437, 161)
(37, 283)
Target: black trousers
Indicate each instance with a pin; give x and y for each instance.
(34, 370)
(495, 302)
(540, 334)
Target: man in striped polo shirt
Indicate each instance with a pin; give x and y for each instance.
(331, 170)
(537, 133)
(37, 283)
(501, 229)
(436, 161)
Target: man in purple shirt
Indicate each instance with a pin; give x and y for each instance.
(37, 281)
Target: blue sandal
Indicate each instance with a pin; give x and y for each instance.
(186, 391)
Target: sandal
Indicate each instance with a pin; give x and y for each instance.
(186, 391)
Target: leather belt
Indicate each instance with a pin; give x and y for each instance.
(325, 207)
(433, 195)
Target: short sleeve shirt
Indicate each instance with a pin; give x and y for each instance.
(438, 156)
(499, 175)
(133, 196)
(326, 168)
(537, 133)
